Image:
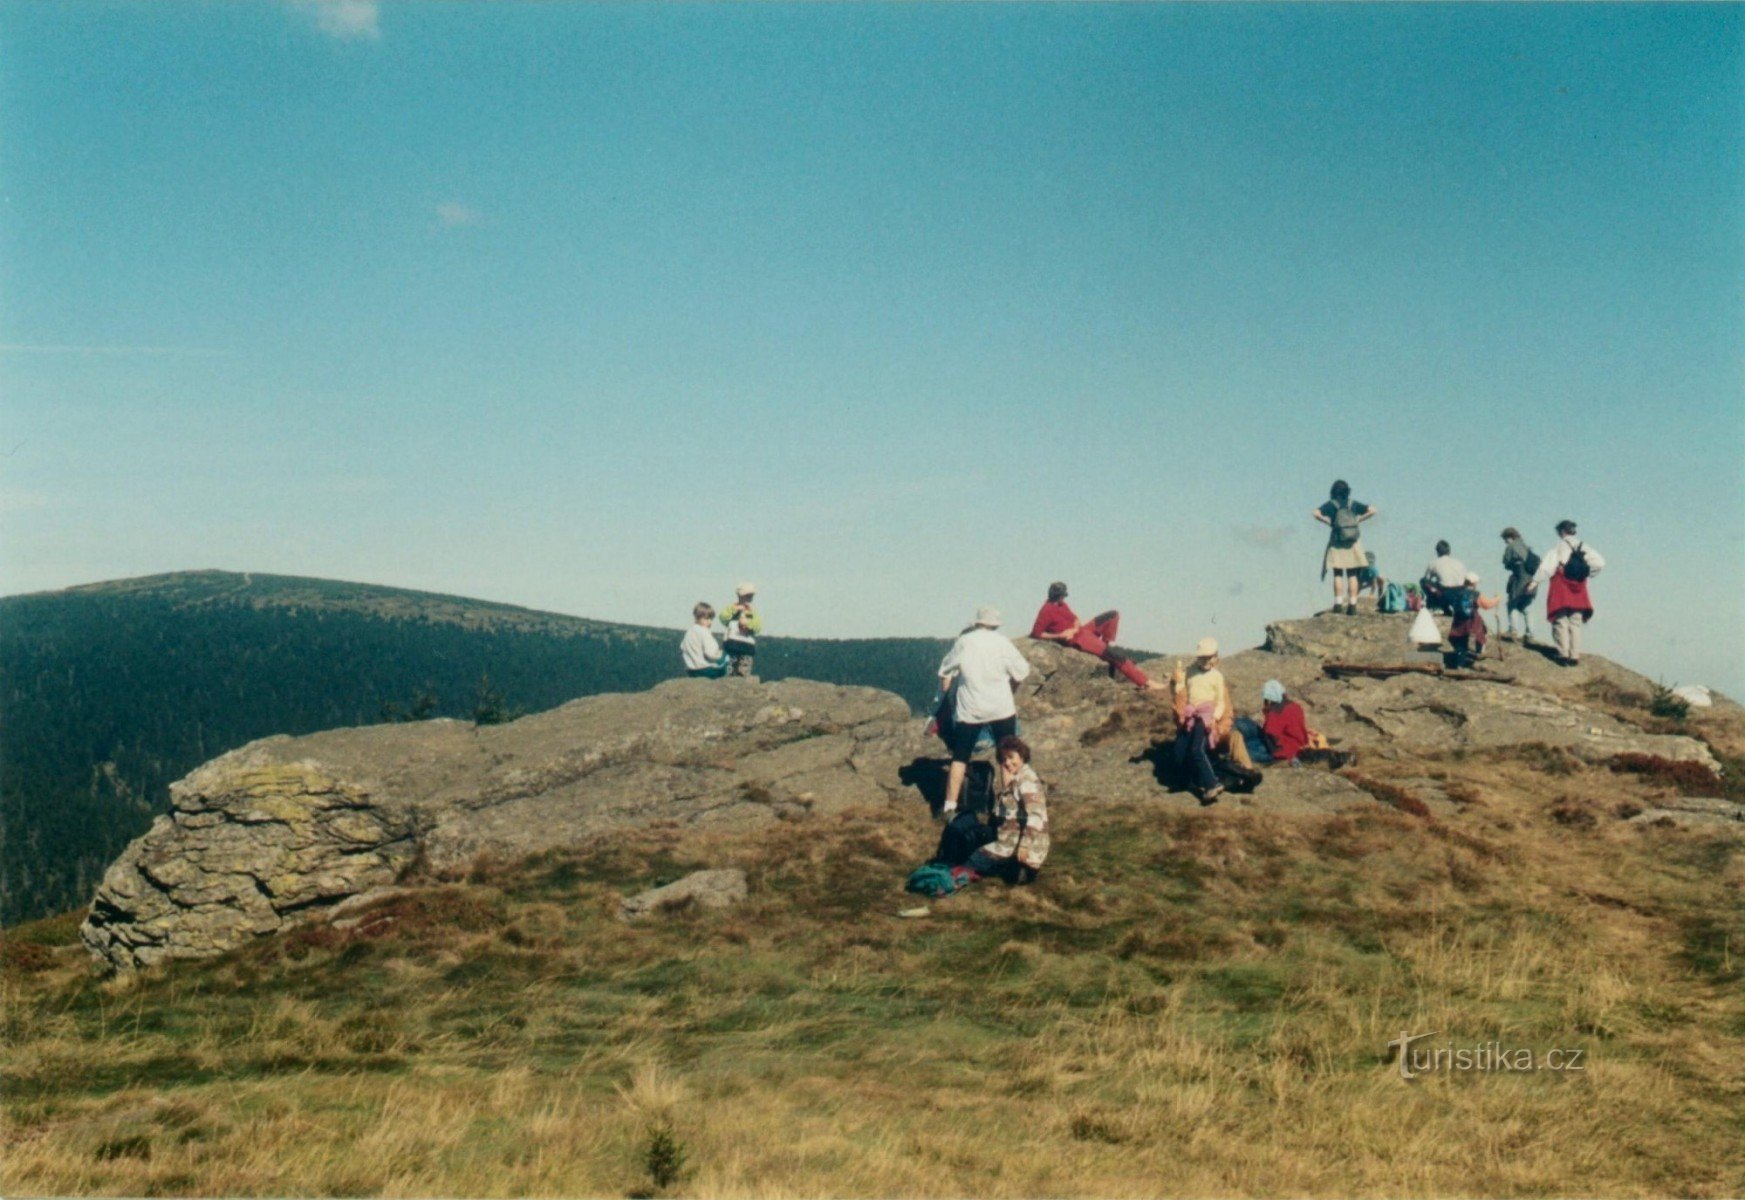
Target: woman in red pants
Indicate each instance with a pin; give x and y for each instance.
(1056, 622)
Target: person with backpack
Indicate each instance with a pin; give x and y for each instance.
(699, 652)
(1344, 555)
(1444, 574)
(1203, 714)
(1467, 635)
(743, 626)
(1567, 606)
(981, 671)
(1521, 564)
(1056, 622)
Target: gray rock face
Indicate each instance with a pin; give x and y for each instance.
(284, 829)
(704, 889)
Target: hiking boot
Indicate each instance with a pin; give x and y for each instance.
(1211, 794)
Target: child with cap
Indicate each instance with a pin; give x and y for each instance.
(743, 626)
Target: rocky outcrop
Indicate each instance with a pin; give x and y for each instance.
(278, 831)
(700, 889)
(286, 830)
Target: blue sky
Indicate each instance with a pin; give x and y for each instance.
(893, 309)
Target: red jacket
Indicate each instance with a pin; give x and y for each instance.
(1286, 730)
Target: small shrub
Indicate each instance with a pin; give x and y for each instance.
(1551, 760)
(1573, 813)
(1666, 705)
(1689, 778)
(1627, 809)
(664, 1157)
(25, 958)
(1390, 795)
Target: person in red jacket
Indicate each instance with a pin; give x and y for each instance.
(1056, 622)
(1283, 733)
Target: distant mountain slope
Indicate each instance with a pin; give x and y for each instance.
(111, 691)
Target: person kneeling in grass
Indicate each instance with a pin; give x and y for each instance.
(1021, 818)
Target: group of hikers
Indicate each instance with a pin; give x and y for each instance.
(1448, 587)
(980, 674)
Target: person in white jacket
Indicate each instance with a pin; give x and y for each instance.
(982, 670)
(1567, 605)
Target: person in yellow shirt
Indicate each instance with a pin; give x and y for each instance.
(1203, 716)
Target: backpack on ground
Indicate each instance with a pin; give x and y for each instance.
(1393, 599)
(1576, 570)
(1345, 531)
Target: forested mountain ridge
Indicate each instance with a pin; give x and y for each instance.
(111, 691)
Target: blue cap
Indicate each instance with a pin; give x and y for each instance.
(1273, 692)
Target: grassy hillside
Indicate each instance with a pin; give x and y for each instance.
(1188, 1003)
(108, 693)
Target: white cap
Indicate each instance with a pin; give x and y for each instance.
(1206, 648)
(746, 589)
(1471, 577)
(988, 615)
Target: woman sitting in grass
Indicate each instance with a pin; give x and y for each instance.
(1021, 816)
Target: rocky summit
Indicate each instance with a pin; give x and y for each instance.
(285, 831)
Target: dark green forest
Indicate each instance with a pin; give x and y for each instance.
(111, 692)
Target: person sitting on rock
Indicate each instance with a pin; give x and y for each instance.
(981, 671)
(1020, 818)
(701, 655)
(1056, 622)
(1202, 709)
(1444, 574)
(1283, 732)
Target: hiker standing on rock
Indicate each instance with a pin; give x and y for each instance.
(1202, 709)
(1444, 574)
(1056, 622)
(1344, 556)
(700, 653)
(743, 626)
(1521, 563)
(1567, 605)
(986, 669)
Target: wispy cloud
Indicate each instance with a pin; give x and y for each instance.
(347, 20)
(1267, 537)
(60, 348)
(452, 213)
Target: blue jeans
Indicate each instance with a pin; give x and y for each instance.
(1191, 746)
(1255, 737)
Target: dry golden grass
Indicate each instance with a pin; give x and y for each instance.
(1188, 1004)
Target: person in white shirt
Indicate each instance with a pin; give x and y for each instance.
(986, 669)
(700, 652)
(1567, 603)
(1444, 574)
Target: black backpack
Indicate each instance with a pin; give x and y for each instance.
(1462, 603)
(1576, 569)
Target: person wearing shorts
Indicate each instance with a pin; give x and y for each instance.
(982, 671)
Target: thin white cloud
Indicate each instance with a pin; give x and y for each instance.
(347, 20)
(452, 213)
(1266, 537)
(58, 348)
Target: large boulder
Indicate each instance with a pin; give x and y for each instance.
(283, 829)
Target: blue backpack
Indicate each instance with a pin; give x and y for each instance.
(1462, 603)
(1393, 599)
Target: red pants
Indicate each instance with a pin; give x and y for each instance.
(1097, 635)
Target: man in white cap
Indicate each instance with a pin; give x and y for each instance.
(743, 626)
(987, 669)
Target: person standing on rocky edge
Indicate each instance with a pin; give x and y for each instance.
(1344, 556)
(986, 669)
(743, 626)
(1567, 605)
(699, 652)
(1520, 562)
(1056, 622)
